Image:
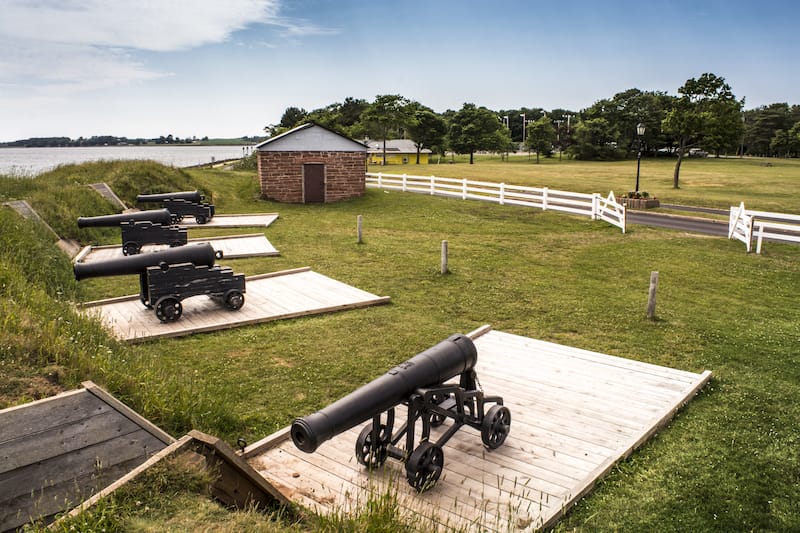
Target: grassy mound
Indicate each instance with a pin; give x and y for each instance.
(61, 195)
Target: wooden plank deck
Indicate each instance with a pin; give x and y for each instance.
(274, 296)
(57, 451)
(233, 221)
(575, 413)
(232, 247)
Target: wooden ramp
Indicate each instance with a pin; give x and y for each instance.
(233, 221)
(274, 296)
(574, 413)
(24, 209)
(232, 247)
(106, 192)
(56, 452)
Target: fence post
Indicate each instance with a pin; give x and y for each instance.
(651, 297)
(544, 199)
(380, 180)
(444, 268)
(502, 193)
(433, 185)
(624, 218)
(359, 224)
(405, 177)
(464, 189)
(595, 205)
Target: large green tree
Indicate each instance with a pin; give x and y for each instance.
(595, 138)
(706, 111)
(761, 124)
(540, 135)
(426, 129)
(625, 110)
(476, 128)
(388, 113)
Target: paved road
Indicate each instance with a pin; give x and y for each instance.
(705, 226)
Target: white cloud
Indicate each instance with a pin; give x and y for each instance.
(58, 47)
(60, 69)
(154, 25)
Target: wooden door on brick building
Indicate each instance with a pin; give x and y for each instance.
(313, 182)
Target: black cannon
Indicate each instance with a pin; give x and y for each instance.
(169, 276)
(140, 228)
(181, 204)
(419, 384)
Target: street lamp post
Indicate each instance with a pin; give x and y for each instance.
(508, 127)
(640, 133)
(558, 136)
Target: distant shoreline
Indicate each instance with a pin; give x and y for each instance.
(29, 161)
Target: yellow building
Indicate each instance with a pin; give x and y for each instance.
(398, 152)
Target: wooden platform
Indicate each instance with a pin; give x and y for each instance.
(575, 413)
(232, 247)
(56, 452)
(274, 296)
(233, 221)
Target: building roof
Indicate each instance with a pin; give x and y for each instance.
(395, 146)
(310, 137)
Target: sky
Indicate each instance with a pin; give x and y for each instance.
(147, 68)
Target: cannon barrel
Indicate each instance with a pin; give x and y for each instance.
(201, 254)
(449, 358)
(156, 216)
(189, 196)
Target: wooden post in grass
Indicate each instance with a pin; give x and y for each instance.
(651, 298)
(359, 223)
(444, 257)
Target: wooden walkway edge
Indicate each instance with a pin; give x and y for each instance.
(232, 247)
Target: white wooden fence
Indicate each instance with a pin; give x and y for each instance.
(591, 205)
(744, 224)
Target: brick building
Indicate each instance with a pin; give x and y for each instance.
(311, 164)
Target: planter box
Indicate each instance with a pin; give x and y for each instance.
(640, 203)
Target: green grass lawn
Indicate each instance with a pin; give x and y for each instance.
(762, 184)
(727, 462)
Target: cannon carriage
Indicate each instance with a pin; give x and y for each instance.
(140, 228)
(182, 204)
(421, 384)
(167, 277)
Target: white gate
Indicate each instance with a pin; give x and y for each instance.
(610, 210)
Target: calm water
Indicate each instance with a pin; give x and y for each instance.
(31, 161)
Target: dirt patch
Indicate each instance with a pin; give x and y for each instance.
(16, 390)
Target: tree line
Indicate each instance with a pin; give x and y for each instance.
(704, 117)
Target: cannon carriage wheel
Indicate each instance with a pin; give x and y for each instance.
(168, 309)
(495, 426)
(130, 248)
(424, 466)
(234, 299)
(445, 401)
(175, 219)
(372, 454)
(200, 219)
